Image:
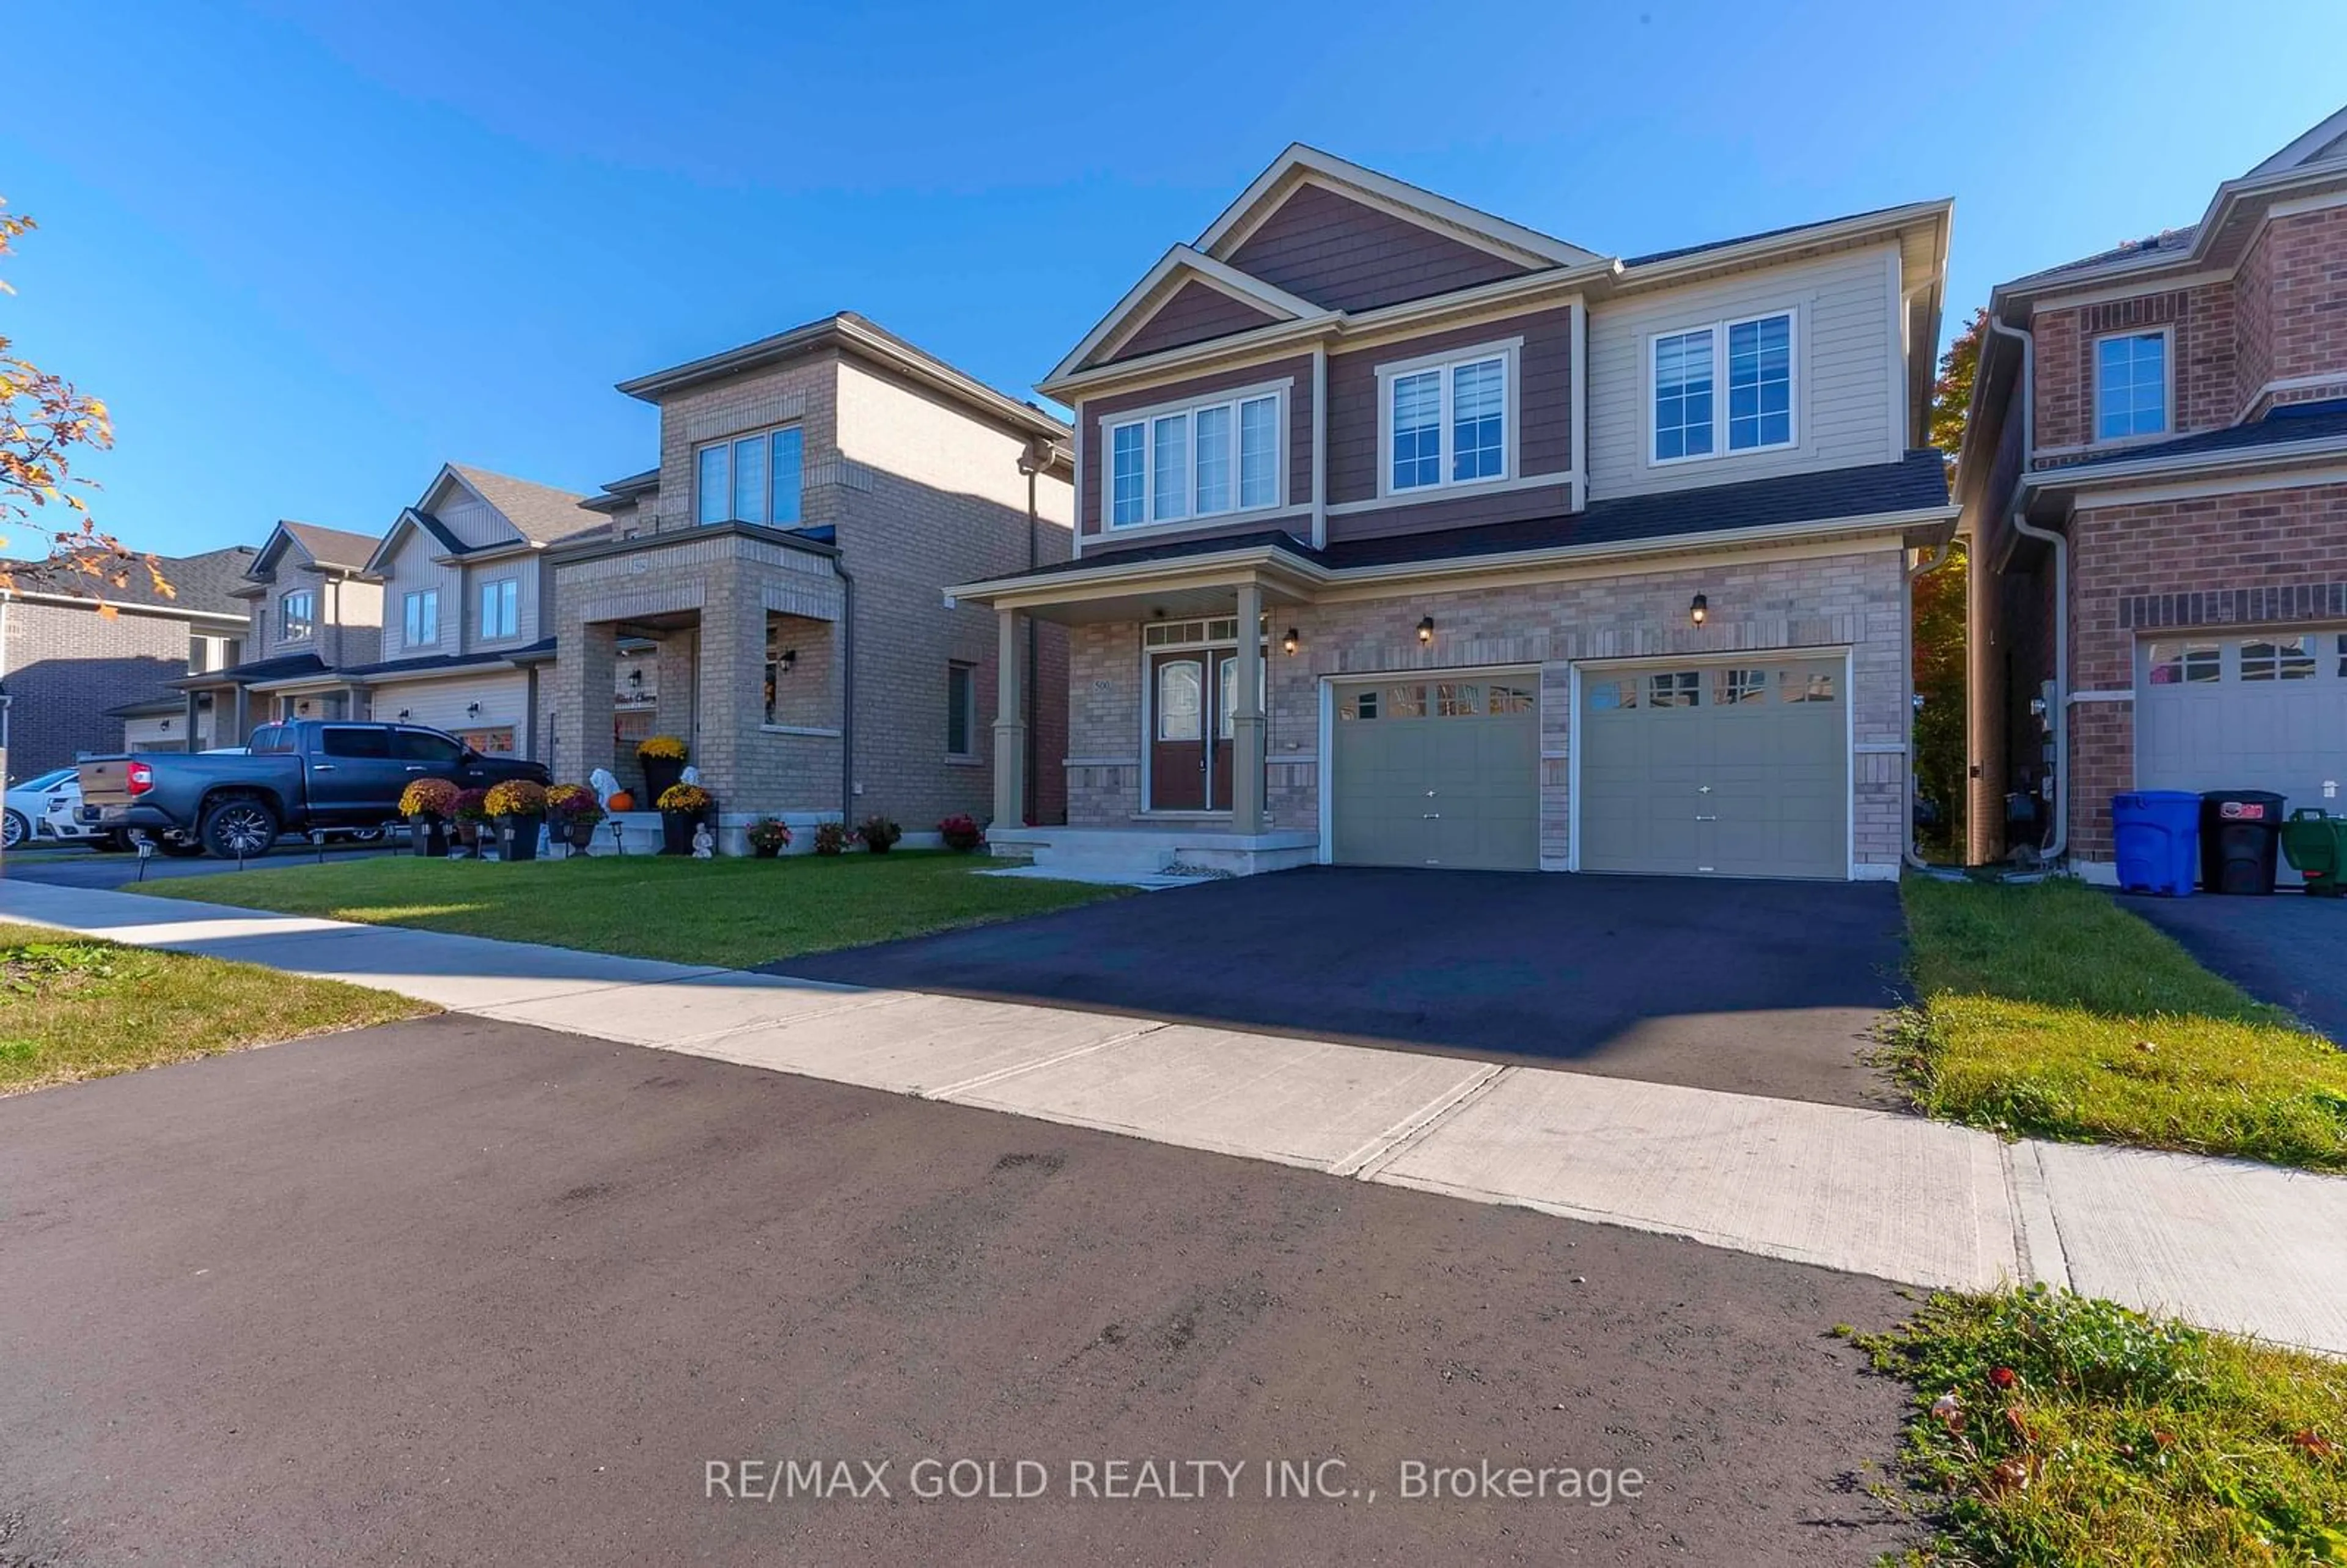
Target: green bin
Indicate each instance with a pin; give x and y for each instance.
(2316, 843)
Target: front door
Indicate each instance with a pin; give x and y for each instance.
(1178, 718)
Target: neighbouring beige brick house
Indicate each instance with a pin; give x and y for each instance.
(1407, 535)
(775, 592)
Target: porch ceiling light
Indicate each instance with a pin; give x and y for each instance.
(1290, 642)
(1426, 630)
(1700, 610)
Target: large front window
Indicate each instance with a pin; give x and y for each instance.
(2130, 386)
(501, 607)
(1692, 420)
(1447, 422)
(1205, 460)
(297, 616)
(750, 479)
(422, 618)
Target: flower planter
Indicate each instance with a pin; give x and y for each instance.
(660, 773)
(676, 831)
(517, 836)
(429, 837)
(766, 851)
(468, 837)
(578, 834)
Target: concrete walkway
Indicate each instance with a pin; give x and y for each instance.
(2228, 1245)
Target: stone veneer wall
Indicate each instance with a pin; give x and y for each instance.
(1853, 599)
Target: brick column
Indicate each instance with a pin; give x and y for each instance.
(1246, 717)
(731, 700)
(583, 673)
(1009, 723)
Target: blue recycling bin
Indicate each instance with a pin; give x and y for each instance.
(2157, 832)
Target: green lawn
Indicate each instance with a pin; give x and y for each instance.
(2053, 1429)
(73, 1007)
(738, 912)
(2046, 1010)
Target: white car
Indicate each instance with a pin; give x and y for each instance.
(42, 807)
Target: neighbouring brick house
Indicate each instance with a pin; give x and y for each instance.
(1409, 535)
(2154, 486)
(76, 674)
(774, 592)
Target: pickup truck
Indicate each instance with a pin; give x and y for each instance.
(297, 776)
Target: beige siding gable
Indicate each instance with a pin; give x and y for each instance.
(1849, 385)
(470, 517)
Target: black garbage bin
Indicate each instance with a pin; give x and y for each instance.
(2241, 833)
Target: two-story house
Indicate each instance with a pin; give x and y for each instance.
(2155, 485)
(467, 580)
(773, 591)
(1409, 535)
(314, 611)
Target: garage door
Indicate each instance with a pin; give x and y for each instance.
(1716, 769)
(2258, 710)
(1438, 772)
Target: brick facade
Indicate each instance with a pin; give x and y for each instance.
(66, 666)
(1854, 600)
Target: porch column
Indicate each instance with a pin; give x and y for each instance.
(242, 722)
(1246, 717)
(188, 742)
(1010, 724)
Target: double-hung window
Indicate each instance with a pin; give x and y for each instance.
(2130, 386)
(1693, 418)
(297, 616)
(500, 607)
(422, 618)
(1205, 460)
(750, 479)
(1447, 421)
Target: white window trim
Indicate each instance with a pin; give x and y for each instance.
(416, 595)
(969, 709)
(726, 444)
(485, 634)
(2165, 333)
(1110, 424)
(1719, 331)
(1510, 351)
(284, 634)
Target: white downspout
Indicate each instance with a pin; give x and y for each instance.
(2060, 545)
(1930, 563)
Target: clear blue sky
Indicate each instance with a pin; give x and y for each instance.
(308, 249)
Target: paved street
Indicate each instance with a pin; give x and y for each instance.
(462, 1291)
(87, 869)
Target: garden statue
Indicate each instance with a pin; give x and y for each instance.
(605, 785)
(704, 843)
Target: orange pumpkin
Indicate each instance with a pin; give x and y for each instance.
(620, 800)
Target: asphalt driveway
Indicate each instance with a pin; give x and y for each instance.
(457, 1291)
(2287, 949)
(1757, 988)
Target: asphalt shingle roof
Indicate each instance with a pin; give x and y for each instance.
(2166, 240)
(447, 660)
(285, 667)
(332, 547)
(197, 582)
(1673, 255)
(541, 513)
(2284, 422)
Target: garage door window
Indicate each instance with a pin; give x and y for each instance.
(2177, 663)
(1360, 705)
(1730, 687)
(1456, 701)
(1511, 700)
(2278, 659)
(1404, 701)
(1612, 696)
(1817, 686)
(1674, 689)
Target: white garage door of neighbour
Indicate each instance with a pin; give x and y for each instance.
(2259, 710)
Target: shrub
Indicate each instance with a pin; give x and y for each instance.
(516, 797)
(830, 838)
(470, 806)
(685, 797)
(428, 797)
(570, 804)
(878, 834)
(961, 833)
(665, 746)
(770, 832)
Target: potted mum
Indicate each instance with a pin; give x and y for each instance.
(662, 760)
(518, 808)
(470, 813)
(681, 807)
(572, 811)
(769, 836)
(878, 834)
(831, 838)
(961, 833)
(426, 805)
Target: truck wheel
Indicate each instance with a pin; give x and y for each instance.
(14, 830)
(242, 825)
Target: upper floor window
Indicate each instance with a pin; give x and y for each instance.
(1199, 461)
(297, 616)
(1692, 420)
(422, 618)
(501, 607)
(751, 479)
(1447, 420)
(2130, 386)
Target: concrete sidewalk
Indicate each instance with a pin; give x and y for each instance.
(2224, 1244)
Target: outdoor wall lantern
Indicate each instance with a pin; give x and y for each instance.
(403, 715)
(1291, 642)
(471, 710)
(789, 661)
(635, 678)
(1426, 631)
(1700, 610)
